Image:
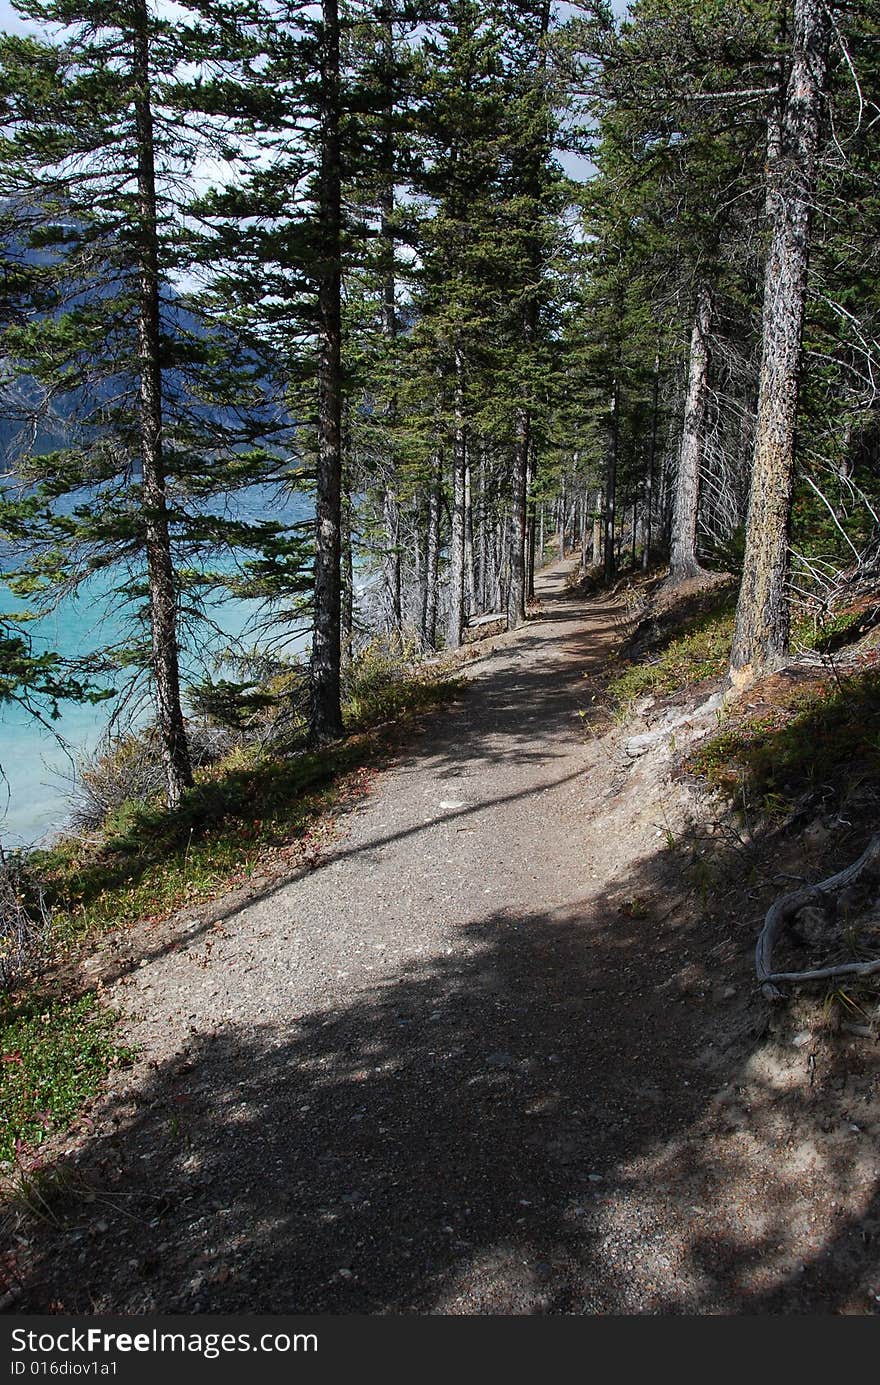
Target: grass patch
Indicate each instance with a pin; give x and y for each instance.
(55, 1056)
(833, 632)
(823, 742)
(689, 644)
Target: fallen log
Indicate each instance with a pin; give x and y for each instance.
(481, 627)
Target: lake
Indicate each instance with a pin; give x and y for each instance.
(37, 770)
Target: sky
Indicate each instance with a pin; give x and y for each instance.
(12, 23)
(575, 167)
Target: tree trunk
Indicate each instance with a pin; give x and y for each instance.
(470, 586)
(597, 531)
(391, 503)
(530, 527)
(455, 622)
(609, 558)
(391, 522)
(160, 568)
(429, 623)
(516, 610)
(346, 616)
(652, 459)
(560, 523)
(483, 536)
(761, 636)
(633, 530)
(683, 555)
(326, 712)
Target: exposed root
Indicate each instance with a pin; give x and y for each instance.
(783, 910)
(638, 745)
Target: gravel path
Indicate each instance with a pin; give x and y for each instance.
(437, 1074)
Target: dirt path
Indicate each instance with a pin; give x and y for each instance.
(450, 1070)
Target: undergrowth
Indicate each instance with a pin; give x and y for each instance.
(54, 1056)
(820, 745)
(677, 650)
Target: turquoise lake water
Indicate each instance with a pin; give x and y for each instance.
(37, 770)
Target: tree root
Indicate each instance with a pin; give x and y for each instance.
(638, 745)
(784, 909)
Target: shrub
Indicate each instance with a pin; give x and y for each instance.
(129, 770)
(24, 922)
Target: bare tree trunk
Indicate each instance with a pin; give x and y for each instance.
(483, 535)
(610, 561)
(160, 568)
(346, 617)
(326, 712)
(469, 574)
(429, 622)
(420, 564)
(560, 523)
(597, 531)
(652, 458)
(391, 502)
(760, 641)
(683, 555)
(530, 528)
(391, 563)
(455, 623)
(633, 530)
(516, 610)
(503, 562)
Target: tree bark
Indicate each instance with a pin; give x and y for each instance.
(652, 460)
(609, 558)
(530, 527)
(683, 551)
(560, 522)
(391, 523)
(391, 502)
(516, 610)
(483, 546)
(326, 712)
(346, 616)
(429, 623)
(160, 568)
(761, 637)
(470, 583)
(455, 623)
(597, 531)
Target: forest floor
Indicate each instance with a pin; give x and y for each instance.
(498, 1051)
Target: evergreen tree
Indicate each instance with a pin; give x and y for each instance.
(161, 411)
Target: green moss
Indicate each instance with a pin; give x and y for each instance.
(54, 1057)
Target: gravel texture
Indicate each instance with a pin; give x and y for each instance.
(484, 1058)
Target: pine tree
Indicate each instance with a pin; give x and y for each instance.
(160, 412)
(762, 618)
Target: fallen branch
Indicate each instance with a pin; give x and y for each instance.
(784, 909)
